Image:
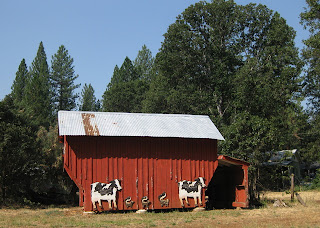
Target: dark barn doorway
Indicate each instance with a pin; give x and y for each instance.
(227, 188)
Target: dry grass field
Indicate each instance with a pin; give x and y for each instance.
(295, 215)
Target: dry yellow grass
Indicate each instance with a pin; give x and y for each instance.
(295, 215)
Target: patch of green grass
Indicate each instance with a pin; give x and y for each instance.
(54, 213)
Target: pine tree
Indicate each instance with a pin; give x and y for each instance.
(88, 99)
(38, 91)
(126, 90)
(144, 63)
(63, 80)
(115, 77)
(19, 84)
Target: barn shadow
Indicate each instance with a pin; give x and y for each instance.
(222, 188)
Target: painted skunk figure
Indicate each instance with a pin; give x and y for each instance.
(163, 202)
(128, 202)
(145, 202)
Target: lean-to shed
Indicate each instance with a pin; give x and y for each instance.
(149, 153)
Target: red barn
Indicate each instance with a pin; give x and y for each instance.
(150, 154)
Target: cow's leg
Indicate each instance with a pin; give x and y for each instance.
(186, 198)
(115, 204)
(195, 201)
(94, 205)
(110, 204)
(200, 201)
(100, 204)
(181, 201)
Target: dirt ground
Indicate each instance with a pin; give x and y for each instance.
(294, 215)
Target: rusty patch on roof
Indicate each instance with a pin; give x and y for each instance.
(89, 124)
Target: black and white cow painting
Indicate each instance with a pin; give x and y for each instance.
(188, 189)
(103, 191)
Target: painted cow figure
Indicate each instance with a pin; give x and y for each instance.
(103, 191)
(191, 189)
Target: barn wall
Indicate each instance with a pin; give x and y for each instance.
(145, 166)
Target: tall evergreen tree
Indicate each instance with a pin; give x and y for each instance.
(144, 63)
(63, 80)
(127, 71)
(88, 99)
(38, 93)
(126, 90)
(19, 84)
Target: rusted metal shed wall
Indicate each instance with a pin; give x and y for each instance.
(146, 166)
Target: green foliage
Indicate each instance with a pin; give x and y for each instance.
(144, 63)
(52, 185)
(126, 73)
(197, 60)
(38, 93)
(129, 84)
(19, 154)
(238, 64)
(88, 99)
(310, 18)
(19, 84)
(63, 80)
(315, 184)
(125, 96)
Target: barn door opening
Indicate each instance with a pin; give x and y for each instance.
(226, 188)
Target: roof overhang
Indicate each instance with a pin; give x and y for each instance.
(77, 123)
(230, 161)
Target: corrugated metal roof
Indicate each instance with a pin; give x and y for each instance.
(136, 124)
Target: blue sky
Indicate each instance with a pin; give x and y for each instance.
(98, 34)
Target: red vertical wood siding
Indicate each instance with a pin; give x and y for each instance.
(145, 166)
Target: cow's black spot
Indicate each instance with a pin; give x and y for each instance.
(99, 186)
(109, 190)
(190, 188)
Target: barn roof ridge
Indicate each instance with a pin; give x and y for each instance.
(140, 113)
(81, 123)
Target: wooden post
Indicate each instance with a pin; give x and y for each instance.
(300, 199)
(292, 187)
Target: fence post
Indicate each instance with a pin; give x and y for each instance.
(292, 187)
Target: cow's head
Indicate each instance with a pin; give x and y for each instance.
(117, 183)
(201, 181)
